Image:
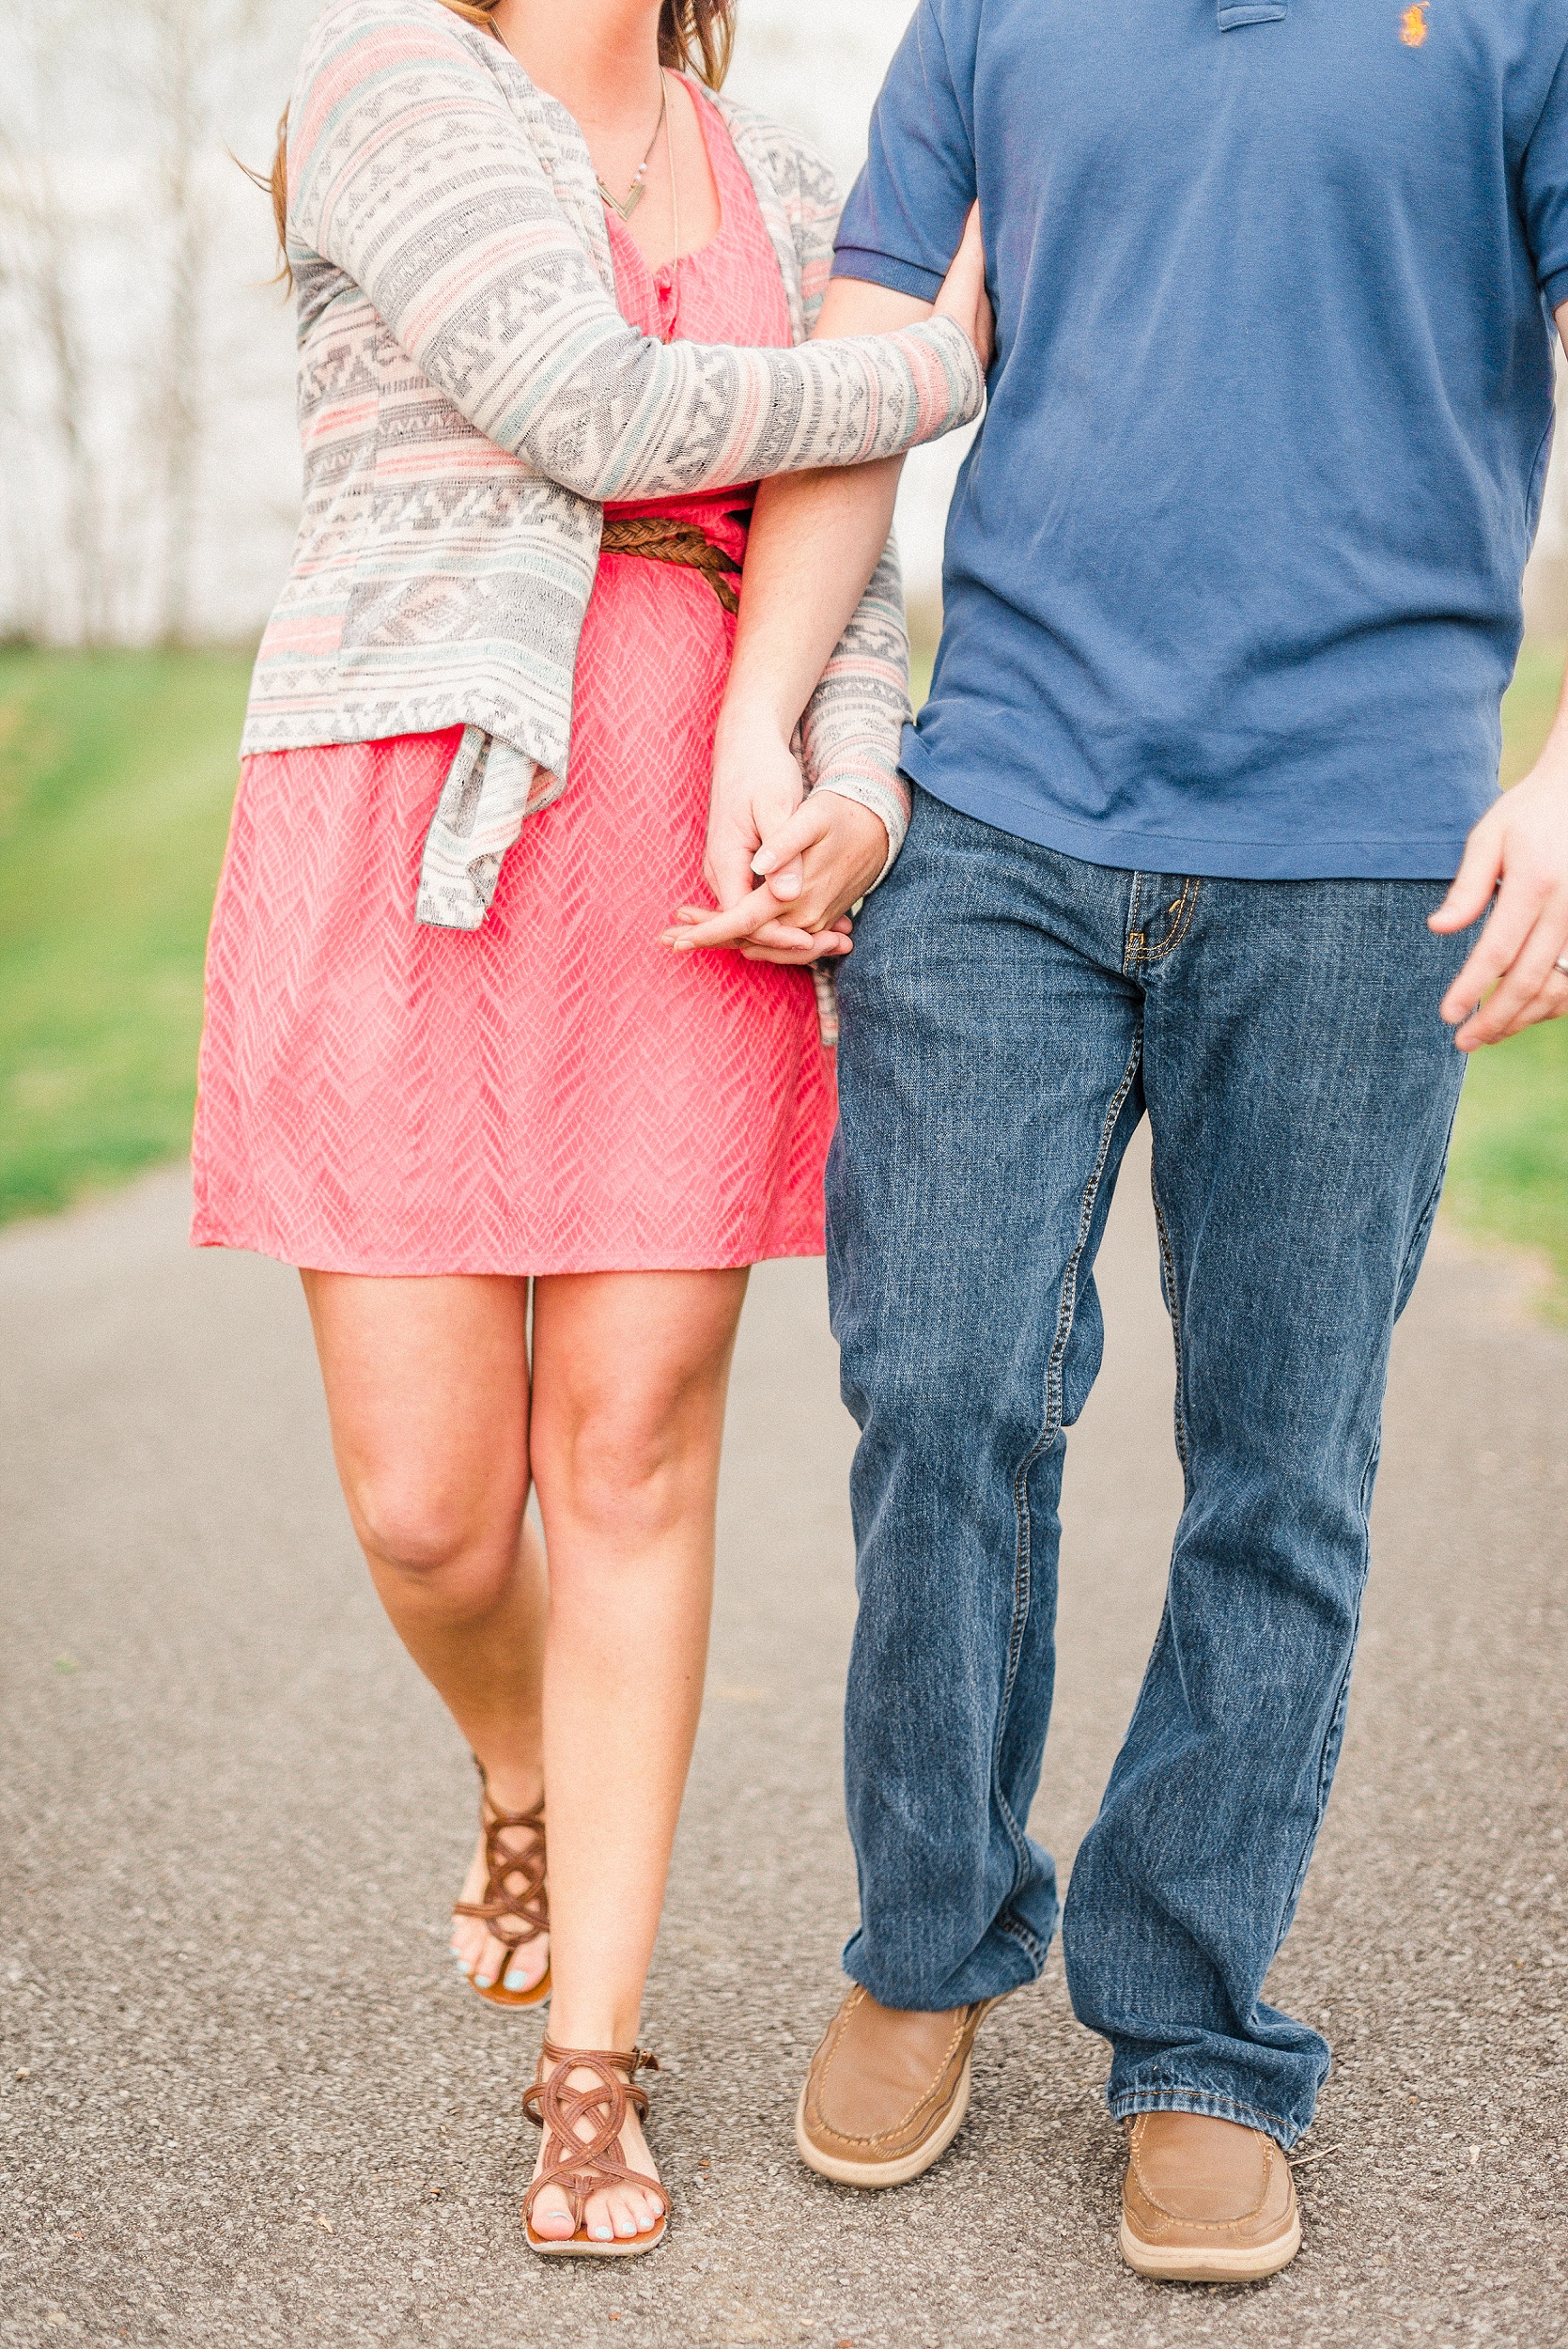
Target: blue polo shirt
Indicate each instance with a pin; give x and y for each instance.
(1232, 582)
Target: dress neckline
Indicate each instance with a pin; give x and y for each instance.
(623, 244)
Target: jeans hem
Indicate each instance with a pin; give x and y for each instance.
(895, 1995)
(1208, 2102)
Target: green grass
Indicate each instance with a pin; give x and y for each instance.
(117, 775)
(1509, 1178)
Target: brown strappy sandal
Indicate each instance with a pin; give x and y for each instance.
(584, 2165)
(516, 1906)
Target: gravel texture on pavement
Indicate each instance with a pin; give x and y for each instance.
(245, 2099)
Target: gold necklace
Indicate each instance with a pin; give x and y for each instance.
(675, 222)
(623, 209)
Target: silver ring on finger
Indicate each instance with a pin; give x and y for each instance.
(1561, 964)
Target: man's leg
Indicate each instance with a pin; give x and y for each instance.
(989, 1081)
(1301, 1089)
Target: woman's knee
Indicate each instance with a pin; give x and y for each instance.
(628, 1479)
(427, 1532)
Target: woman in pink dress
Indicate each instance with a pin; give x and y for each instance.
(522, 1152)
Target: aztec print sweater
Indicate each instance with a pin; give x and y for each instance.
(469, 395)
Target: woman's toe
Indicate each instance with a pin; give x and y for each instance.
(525, 1969)
(551, 2218)
(491, 1961)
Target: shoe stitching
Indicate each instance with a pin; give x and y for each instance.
(1207, 2226)
(1168, 2221)
(884, 2136)
(899, 2127)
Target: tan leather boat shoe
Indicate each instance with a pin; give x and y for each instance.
(887, 2090)
(1207, 2201)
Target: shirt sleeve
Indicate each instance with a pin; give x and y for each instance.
(1545, 191)
(907, 211)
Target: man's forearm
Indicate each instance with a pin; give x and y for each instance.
(815, 542)
(815, 539)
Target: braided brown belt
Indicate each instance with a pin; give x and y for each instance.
(661, 542)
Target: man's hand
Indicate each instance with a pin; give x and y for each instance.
(757, 786)
(1520, 852)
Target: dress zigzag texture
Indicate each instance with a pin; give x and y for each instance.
(555, 1091)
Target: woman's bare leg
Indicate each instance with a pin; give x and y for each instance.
(427, 1390)
(629, 1379)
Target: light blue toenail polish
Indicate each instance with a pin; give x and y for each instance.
(518, 1981)
(602, 2234)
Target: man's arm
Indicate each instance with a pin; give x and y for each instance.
(1518, 855)
(816, 542)
(815, 539)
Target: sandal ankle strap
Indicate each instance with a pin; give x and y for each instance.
(622, 2064)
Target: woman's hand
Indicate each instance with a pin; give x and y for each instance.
(1517, 853)
(964, 295)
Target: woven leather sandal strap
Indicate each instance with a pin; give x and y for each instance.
(516, 1906)
(582, 2165)
(627, 2065)
(625, 2061)
(579, 2185)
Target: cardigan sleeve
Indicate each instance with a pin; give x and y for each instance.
(852, 728)
(853, 725)
(410, 174)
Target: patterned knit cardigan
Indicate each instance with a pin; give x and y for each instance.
(469, 395)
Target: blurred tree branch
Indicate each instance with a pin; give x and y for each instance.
(114, 163)
(197, 53)
(37, 239)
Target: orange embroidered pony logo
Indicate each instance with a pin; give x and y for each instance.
(1413, 24)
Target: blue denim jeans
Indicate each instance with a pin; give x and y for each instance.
(1008, 1016)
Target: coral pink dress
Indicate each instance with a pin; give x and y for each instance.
(554, 1092)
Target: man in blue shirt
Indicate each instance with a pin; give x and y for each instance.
(1205, 825)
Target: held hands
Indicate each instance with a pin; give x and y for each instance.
(784, 874)
(1519, 851)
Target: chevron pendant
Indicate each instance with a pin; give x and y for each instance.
(633, 197)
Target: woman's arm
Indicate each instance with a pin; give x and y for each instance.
(410, 173)
(852, 728)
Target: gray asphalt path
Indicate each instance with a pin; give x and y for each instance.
(242, 2099)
